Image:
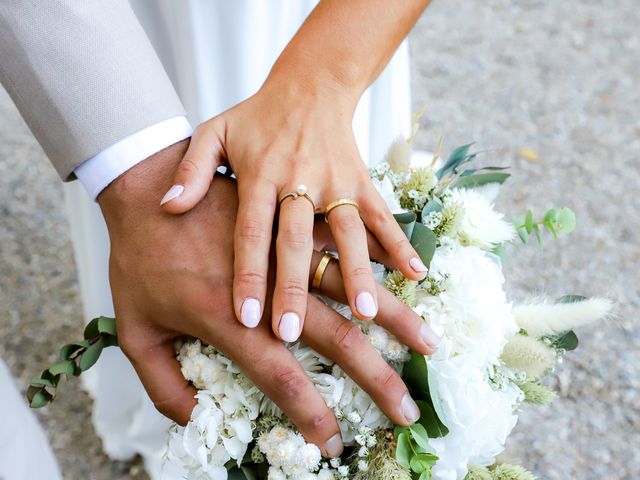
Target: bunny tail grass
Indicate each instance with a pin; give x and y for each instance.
(550, 318)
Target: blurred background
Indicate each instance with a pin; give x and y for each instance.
(558, 78)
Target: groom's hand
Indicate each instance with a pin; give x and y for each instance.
(173, 275)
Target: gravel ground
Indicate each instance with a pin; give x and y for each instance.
(556, 77)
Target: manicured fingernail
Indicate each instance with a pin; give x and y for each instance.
(417, 265)
(250, 313)
(410, 409)
(174, 192)
(289, 327)
(429, 336)
(366, 305)
(334, 446)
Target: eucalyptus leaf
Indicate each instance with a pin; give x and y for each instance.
(457, 158)
(406, 221)
(107, 325)
(91, 355)
(423, 462)
(415, 376)
(67, 351)
(528, 222)
(66, 367)
(538, 232)
(566, 341)
(426, 475)
(423, 241)
(40, 399)
(42, 382)
(404, 451)
(91, 330)
(248, 472)
(522, 233)
(479, 179)
(430, 421)
(433, 205)
(420, 436)
(566, 220)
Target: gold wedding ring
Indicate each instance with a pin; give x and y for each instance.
(338, 203)
(300, 192)
(320, 269)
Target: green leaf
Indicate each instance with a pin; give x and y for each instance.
(458, 157)
(528, 222)
(44, 382)
(40, 399)
(406, 221)
(423, 241)
(479, 179)
(433, 205)
(91, 355)
(566, 341)
(107, 325)
(571, 299)
(66, 367)
(430, 421)
(398, 429)
(423, 462)
(550, 216)
(500, 251)
(415, 376)
(248, 472)
(536, 230)
(566, 220)
(67, 351)
(404, 451)
(421, 437)
(91, 330)
(426, 475)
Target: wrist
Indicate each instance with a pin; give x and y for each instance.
(304, 85)
(140, 188)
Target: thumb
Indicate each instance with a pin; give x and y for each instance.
(196, 170)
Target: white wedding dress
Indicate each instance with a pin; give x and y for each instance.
(217, 53)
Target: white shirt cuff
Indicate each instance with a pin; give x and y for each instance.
(100, 170)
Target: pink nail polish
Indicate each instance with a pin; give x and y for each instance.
(289, 327)
(174, 192)
(250, 313)
(366, 305)
(417, 265)
(429, 336)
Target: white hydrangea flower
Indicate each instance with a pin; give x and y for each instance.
(472, 311)
(479, 417)
(481, 225)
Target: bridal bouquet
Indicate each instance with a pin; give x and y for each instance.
(491, 362)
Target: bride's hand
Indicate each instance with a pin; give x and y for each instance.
(282, 138)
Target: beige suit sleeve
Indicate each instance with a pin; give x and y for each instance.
(83, 75)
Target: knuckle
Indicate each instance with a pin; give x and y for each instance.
(293, 288)
(291, 383)
(359, 271)
(399, 247)
(347, 336)
(321, 421)
(171, 406)
(250, 277)
(295, 237)
(189, 167)
(348, 224)
(387, 378)
(252, 231)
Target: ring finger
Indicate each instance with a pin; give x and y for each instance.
(351, 240)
